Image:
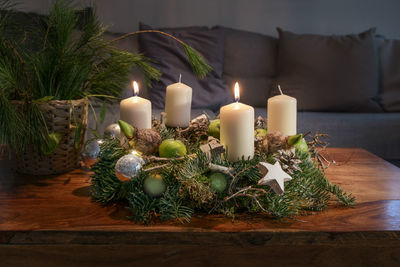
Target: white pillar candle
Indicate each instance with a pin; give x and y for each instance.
(136, 110)
(237, 129)
(178, 102)
(282, 114)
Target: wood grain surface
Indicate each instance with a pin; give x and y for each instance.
(40, 212)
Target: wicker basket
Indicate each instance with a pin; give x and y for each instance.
(62, 116)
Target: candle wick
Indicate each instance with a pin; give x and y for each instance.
(180, 77)
(280, 90)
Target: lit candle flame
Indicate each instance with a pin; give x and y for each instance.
(135, 88)
(237, 95)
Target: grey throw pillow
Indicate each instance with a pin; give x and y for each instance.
(250, 59)
(329, 73)
(390, 55)
(208, 93)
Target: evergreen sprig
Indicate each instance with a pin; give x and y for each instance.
(197, 62)
(106, 187)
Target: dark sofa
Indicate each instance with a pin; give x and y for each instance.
(251, 59)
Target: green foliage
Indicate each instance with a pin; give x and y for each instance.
(61, 58)
(106, 186)
(197, 62)
(188, 188)
(172, 207)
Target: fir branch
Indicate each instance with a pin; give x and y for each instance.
(171, 207)
(143, 207)
(106, 186)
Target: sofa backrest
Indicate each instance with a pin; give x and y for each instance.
(251, 59)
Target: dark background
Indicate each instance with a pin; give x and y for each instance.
(302, 16)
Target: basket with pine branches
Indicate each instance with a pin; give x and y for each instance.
(50, 76)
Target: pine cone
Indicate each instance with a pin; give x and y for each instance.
(289, 161)
(273, 142)
(197, 127)
(260, 122)
(147, 141)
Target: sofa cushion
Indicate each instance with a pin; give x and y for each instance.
(371, 131)
(329, 73)
(390, 55)
(250, 59)
(210, 92)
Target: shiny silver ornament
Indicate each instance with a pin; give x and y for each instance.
(128, 166)
(112, 131)
(91, 152)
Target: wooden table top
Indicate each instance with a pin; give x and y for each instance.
(34, 209)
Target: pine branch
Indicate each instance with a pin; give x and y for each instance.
(171, 207)
(106, 186)
(197, 62)
(143, 207)
(199, 66)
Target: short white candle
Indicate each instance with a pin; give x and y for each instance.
(136, 110)
(178, 103)
(237, 129)
(282, 114)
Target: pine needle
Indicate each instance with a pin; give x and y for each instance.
(197, 62)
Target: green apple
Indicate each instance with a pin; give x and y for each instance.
(260, 133)
(126, 128)
(214, 128)
(154, 185)
(171, 148)
(294, 139)
(218, 182)
(302, 145)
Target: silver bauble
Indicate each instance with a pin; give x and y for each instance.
(91, 152)
(128, 166)
(112, 131)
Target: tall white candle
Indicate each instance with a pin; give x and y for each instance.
(136, 110)
(178, 102)
(237, 129)
(282, 114)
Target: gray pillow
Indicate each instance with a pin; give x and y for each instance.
(390, 56)
(329, 73)
(250, 59)
(210, 92)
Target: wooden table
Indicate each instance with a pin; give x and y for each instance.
(52, 220)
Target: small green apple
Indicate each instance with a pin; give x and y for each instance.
(171, 148)
(218, 182)
(302, 145)
(260, 133)
(294, 139)
(214, 128)
(154, 185)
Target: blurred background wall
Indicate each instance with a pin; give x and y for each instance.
(301, 16)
